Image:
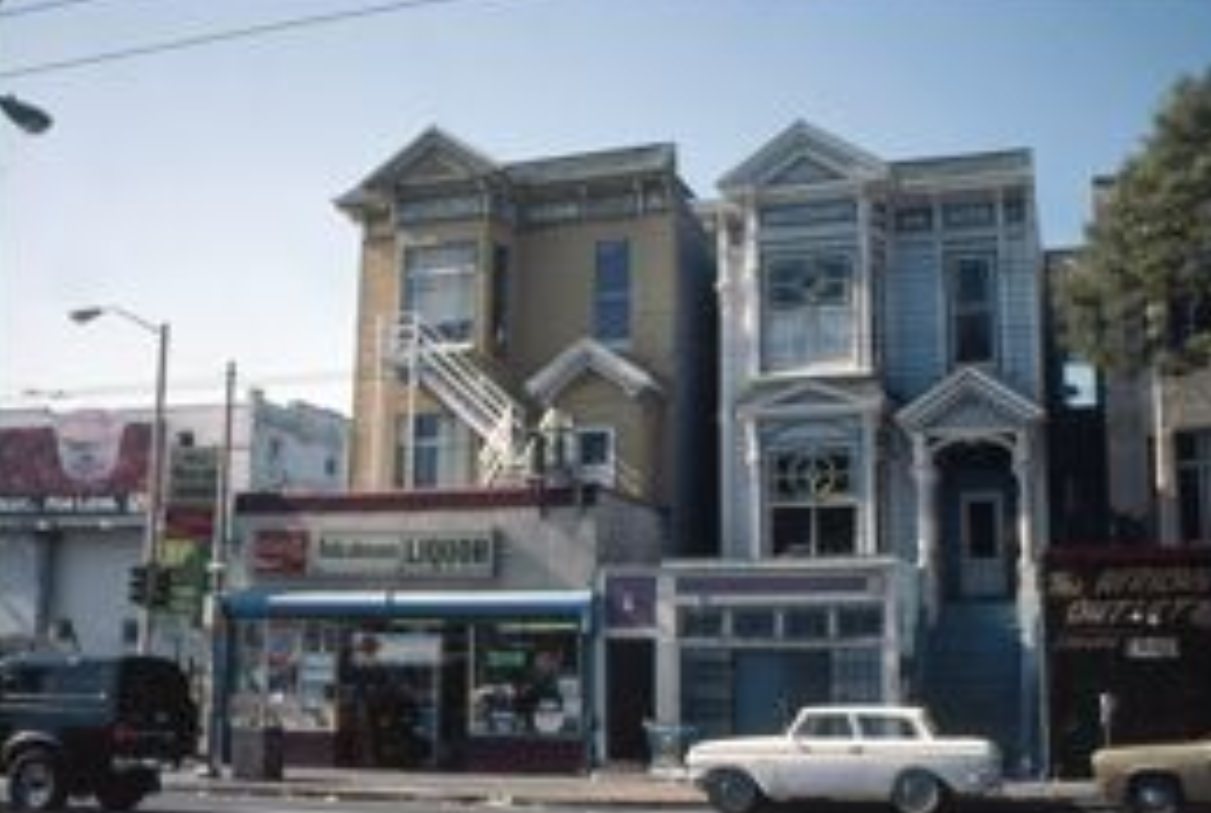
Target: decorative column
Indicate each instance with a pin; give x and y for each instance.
(1027, 565)
(925, 476)
(753, 490)
(1032, 705)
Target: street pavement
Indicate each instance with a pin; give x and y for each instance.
(611, 787)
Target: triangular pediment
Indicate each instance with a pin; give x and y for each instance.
(803, 155)
(433, 157)
(810, 398)
(586, 357)
(970, 400)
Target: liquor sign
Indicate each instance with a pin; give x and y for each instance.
(464, 555)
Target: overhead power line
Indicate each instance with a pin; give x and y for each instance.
(216, 37)
(37, 8)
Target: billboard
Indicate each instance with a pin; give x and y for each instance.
(82, 463)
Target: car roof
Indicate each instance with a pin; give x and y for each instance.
(862, 709)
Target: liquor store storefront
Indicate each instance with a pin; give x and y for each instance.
(1129, 648)
(449, 631)
(424, 680)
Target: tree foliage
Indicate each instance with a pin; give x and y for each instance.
(1139, 293)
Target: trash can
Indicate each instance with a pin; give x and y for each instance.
(257, 752)
(667, 744)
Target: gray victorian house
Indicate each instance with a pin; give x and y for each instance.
(881, 407)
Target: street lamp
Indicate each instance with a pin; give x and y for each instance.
(154, 526)
(23, 114)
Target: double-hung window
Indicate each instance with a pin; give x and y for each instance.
(813, 507)
(972, 282)
(612, 292)
(439, 287)
(440, 452)
(808, 308)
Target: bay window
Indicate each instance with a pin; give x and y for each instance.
(439, 286)
(813, 505)
(808, 308)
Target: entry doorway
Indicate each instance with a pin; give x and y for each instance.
(630, 664)
(391, 709)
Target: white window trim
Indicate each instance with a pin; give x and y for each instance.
(951, 259)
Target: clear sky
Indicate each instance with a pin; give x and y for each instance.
(195, 187)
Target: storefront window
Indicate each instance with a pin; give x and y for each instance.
(286, 674)
(526, 680)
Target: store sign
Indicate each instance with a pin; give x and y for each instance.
(1095, 606)
(194, 475)
(279, 552)
(469, 555)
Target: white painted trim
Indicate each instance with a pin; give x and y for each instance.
(589, 355)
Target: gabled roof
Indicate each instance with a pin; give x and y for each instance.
(588, 355)
(434, 155)
(969, 399)
(803, 154)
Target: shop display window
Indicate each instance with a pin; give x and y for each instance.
(286, 674)
(526, 681)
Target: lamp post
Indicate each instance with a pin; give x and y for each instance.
(29, 118)
(154, 526)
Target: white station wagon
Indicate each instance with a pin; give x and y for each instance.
(847, 753)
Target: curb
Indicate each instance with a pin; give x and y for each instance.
(519, 798)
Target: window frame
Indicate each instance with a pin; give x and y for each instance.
(613, 329)
(959, 311)
(819, 503)
(819, 330)
(459, 330)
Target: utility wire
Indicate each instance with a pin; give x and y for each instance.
(216, 37)
(37, 8)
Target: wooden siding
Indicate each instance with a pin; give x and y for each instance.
(913, 318)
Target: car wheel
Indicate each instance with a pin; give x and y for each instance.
(732, 791)
(120, 793)
(1154, 793)
(918, 791)
(36, 782)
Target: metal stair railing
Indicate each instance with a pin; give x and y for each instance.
(473, 395)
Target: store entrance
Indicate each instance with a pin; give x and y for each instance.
(391, 710)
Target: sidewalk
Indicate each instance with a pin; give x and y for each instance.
(615, 787)
(612, 787)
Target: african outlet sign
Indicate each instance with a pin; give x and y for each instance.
(1144, 606)
(467, 555)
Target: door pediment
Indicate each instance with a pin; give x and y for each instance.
(970, 401)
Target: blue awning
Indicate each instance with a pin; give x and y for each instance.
(463, 604)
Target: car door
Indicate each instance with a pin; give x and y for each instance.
(823, 757)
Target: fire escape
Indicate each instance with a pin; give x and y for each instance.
(447, 370)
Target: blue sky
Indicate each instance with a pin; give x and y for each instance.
(195, 187)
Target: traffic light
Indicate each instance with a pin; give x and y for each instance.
(161, 593)
(138, 584)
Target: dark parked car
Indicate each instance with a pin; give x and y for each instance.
(85, 726)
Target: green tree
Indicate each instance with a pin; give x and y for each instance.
(1140, 294)
(1139, 297)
